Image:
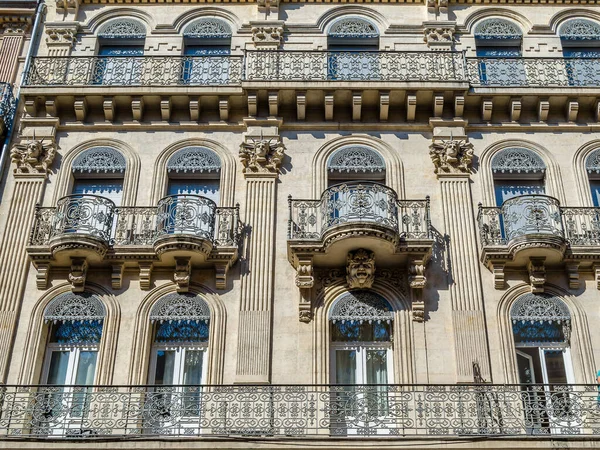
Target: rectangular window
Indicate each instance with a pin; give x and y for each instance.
(501, 65)
(119, 65)
(206, 64)
(111, 189)
(507, 189)
(205, 188)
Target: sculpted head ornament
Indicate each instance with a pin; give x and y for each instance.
(33, 156)
(360, 272)
(453, 155)
(262, 155)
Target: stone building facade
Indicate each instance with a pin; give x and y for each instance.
(304, 223)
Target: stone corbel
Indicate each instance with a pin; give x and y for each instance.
(68, 6)
(596, 268)
(183, 273)
(15, 24)
(417, 282)
(267, 35)
(116, 275)
(42, 275)
(537, 274)
(572, 269)
(439, 35)
(221, 269)
(498, 272)
(265, 5)
(305, 314)
(78, 274)
(145, 275)
(305, 272)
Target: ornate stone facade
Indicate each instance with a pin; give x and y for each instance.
(33, 156)
(451, 156)
(360, 270)
(261, 155)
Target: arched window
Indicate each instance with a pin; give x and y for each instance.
(75, 332)
(498, 43)
(580, 39)
(207, 43)
(351, 41)
(516, 172)
(181, 333)
(120, 41)
(355, 162)
(100, 171)
(592, 166)
(541, 326)
(194, 171)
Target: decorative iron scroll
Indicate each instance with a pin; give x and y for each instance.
(539, 308)
(353, 27)
(531, 214)
(356, 159)
(517, 160)
(100, 160)
(592, 162)
(491, 29)
(580, 30)
(208, 28)
(194, 159)
(180, 307)
(71, 307)
(361, 306)
(123, 28)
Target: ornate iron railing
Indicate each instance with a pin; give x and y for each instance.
(309, 65)
(359, 203)
(188, 215)
(7, 105)
(101, 412)
(136, 71)
(538, 215)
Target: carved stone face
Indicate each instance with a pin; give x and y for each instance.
(361, 269)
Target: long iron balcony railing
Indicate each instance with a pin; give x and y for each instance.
(309, 66)
(538, 215)
(296, 411)
(364, 203)
(97, 217)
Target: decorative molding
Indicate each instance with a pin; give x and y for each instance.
(145, 275)
(305, 272)
(61, 36)
(194, 160)
(15, 24)
(208, 28)
(537, 274)
(72, 307)
(68, 6)
(116, 275)
(439, 35)
(451, 156)
(268, 4)
(34, 157)
(355, 159)
(267, 36)
(305, 315)
(417, 282)
(361, 306)
(78, 274)
(596, 268)
(100, 160)
(183, 272)
(360, 269)
(261, 155)
(437, 6)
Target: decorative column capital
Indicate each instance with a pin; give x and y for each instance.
(15, 24)
(68, 6)
(451, 156)
(261, 155)
(34, 156)
(267, 35)
(360, 269)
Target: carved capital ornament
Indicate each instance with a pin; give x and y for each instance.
(34, 156)
(451, 156)
(262, 155)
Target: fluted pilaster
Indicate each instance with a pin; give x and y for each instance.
(10, 49)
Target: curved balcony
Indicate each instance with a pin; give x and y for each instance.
(350, 215)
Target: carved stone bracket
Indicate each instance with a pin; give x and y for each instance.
(268, 4)
(304, 272)
(183, 273)
(259, 155)
(78, 274)
(266, 36)
(572, 269)
(33, 156)
(116, 275)
(221, 269)
(68, 6)
(61, 36)
(437, 6)
(42, 275)
(417, 282)
(145, 275)
(451, 155)
(498, 272)
(439, 35)
(537, 274)
(360, 269)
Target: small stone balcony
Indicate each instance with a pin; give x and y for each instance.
(182, 230)
(535, 232)
(349, 216)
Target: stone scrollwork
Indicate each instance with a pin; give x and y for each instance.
(208, 28)
(580, 30)
(304, 273)
(74, 307)
(451, 156)
(517, 160)
(262, 155)
(180, 307)
(417, 282)
(496, 28)
(360, 269)
(182, 275)
(34, 156)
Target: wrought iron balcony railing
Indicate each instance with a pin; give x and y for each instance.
(318, 66)
(435, 411)
(535, 215)
(136, 71)
(91, 215)
(7, 105)
(365, 203)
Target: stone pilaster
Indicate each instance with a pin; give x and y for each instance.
(13, 29)
(452, 156)
(261, 154)
(32, 158)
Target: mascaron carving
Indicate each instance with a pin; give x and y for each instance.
(451, 156)
(360, 271)
(262, 155)
(34, 156)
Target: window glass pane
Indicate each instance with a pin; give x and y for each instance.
(376, 372)
(121, 50)
(205, 188)
(165, 367)
(527, 333)
(179, 331)
(115, 71)
(59, 362)
(595, 187)
(498, 51)
(555, 366)
(86, 368)
(192, 367)
(204, 50)
(77, 333)
(345, 366)
(508, 189)
(356, 332)
(111, 189)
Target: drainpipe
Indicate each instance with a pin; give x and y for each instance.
(39, 12)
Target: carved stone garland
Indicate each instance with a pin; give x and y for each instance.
(361, 306)
(194, 159)
(34, 156)
(208, 28)
(492, 29)
(262, 155)
(580, 30)
(123, 28)
(100, 160)
(451, 156)
(180, 307)
(74, 307)
(353, 27)
(517, 160)
(356, 159)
